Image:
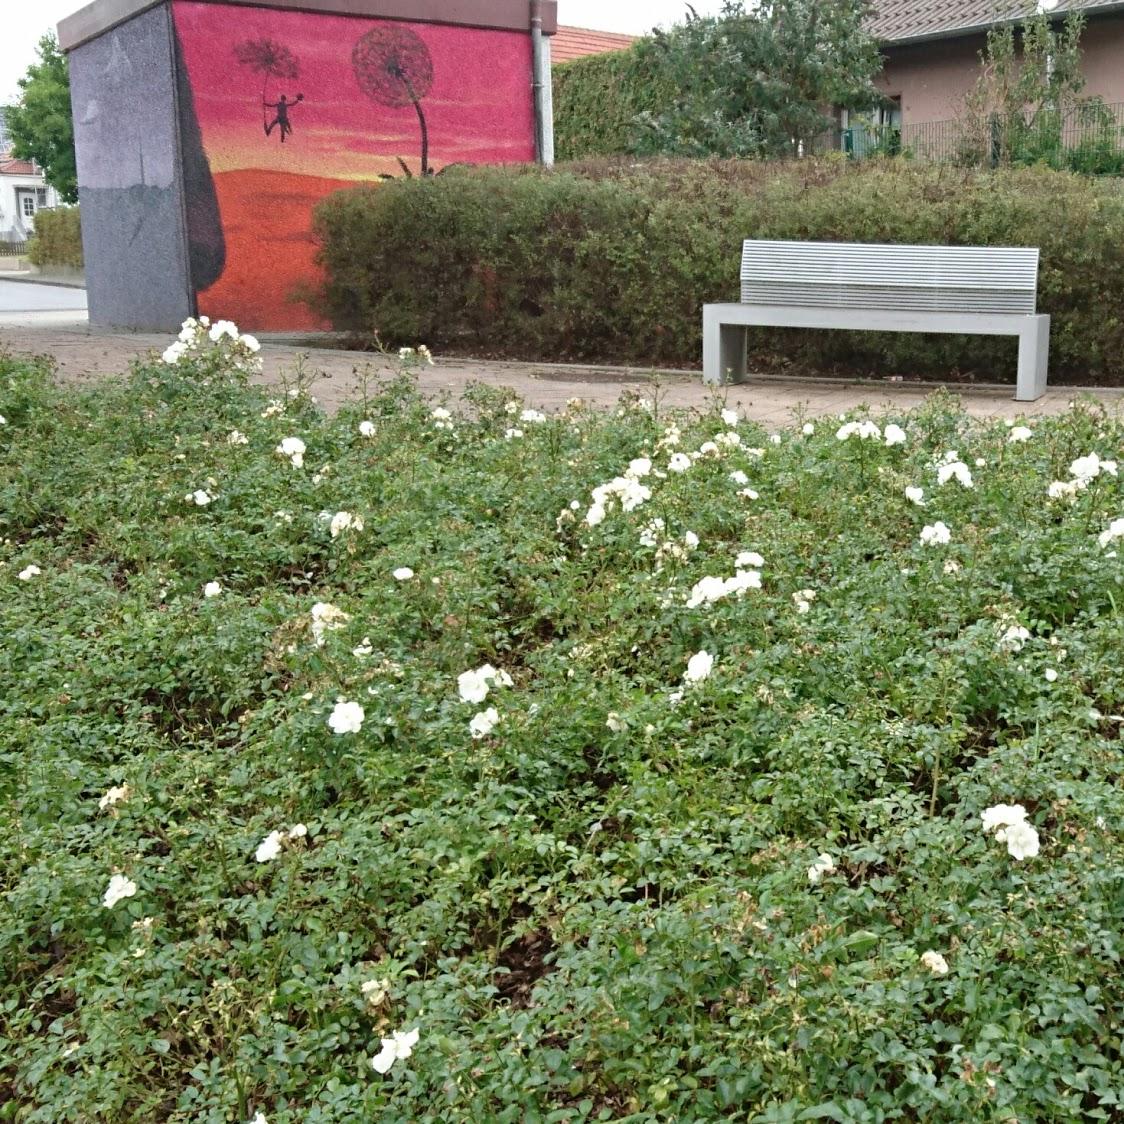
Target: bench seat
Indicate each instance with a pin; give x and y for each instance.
(859, 287)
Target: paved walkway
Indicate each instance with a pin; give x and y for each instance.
(82, 352)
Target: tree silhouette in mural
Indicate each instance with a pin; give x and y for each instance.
(394, 68)
(273, 60)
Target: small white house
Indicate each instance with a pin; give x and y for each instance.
(23, 191)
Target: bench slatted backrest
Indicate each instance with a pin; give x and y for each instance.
(897, 278)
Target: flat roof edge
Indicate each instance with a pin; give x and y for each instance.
(101, 16)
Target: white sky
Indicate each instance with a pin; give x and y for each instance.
(23, 24)
(631, 16)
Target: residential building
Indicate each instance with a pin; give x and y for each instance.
(23, 191)
(571, 43)
(932, 51)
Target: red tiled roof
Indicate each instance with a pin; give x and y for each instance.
(17, 168)
(895, 21)
(569, 43)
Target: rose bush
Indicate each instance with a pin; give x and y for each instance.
(545, 831)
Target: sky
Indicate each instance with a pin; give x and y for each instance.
(631, 16)
(25, 23)
(23, 26)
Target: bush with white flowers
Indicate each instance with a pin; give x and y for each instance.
(353, 772)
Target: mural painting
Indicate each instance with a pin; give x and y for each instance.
(291, 106)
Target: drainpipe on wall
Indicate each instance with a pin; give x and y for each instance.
(544, 94)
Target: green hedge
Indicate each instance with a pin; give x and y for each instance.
(597, 99)
(58, 239)
(613, 262)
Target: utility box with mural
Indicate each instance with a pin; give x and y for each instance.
(207, 130)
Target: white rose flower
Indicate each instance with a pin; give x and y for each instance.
(1002, 815)
(1051, 675)
(403, 574)
(1020, 433)
(957, 470)
(200, 497)
(534, 417)
(269, 848)
(936, 534)
(935, 962)
(1115, 531)
(1021, 839)
(615, 723)
(346, 718)
(699, 667)
(212, 589)
(807, 429)
(236, 437)
(679, 462)
(119, 888)
(739, 477)
(730, 417)
(399, 1046)
(250, 343)
(29, 572)
(748, 558)
(864, 431)
(484, 723)
(894, 435)
(293, 448)
(824, 864)
(366, 429)
(116, 794)
(916, 495)
(345, 521)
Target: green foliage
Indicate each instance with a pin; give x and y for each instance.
(742, 83)
(40, 123)
(57, 239)
(759, 82)
(1028, 107)
(613, 262)
(597, 100)
(602, 909)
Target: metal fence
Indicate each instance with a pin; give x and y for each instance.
(13, 249)
(1089, 140)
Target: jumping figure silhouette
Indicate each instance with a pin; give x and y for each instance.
(282, 105)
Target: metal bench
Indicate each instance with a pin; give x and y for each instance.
(971, 290)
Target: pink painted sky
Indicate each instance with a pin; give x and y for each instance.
(479, 110)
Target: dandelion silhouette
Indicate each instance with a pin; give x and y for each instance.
(394, 68)
(272, 60)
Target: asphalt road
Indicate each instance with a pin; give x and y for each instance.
(26, 296)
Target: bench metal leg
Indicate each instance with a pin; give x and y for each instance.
(723, 349)
(1034, 359)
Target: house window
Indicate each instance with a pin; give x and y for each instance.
(41, 196)
(28, 206)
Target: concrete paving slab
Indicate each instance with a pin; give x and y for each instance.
(82, 352)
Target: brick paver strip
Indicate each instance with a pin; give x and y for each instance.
(82, 352)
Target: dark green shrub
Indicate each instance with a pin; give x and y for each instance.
(58, 239)
(597, 100)
(612, 261)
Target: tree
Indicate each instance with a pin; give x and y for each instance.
(760, 82)
(1028, 106)
(40, 124)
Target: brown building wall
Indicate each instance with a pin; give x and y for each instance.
(1103, 44)
(932, 79)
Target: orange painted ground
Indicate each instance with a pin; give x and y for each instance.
(267, 219)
